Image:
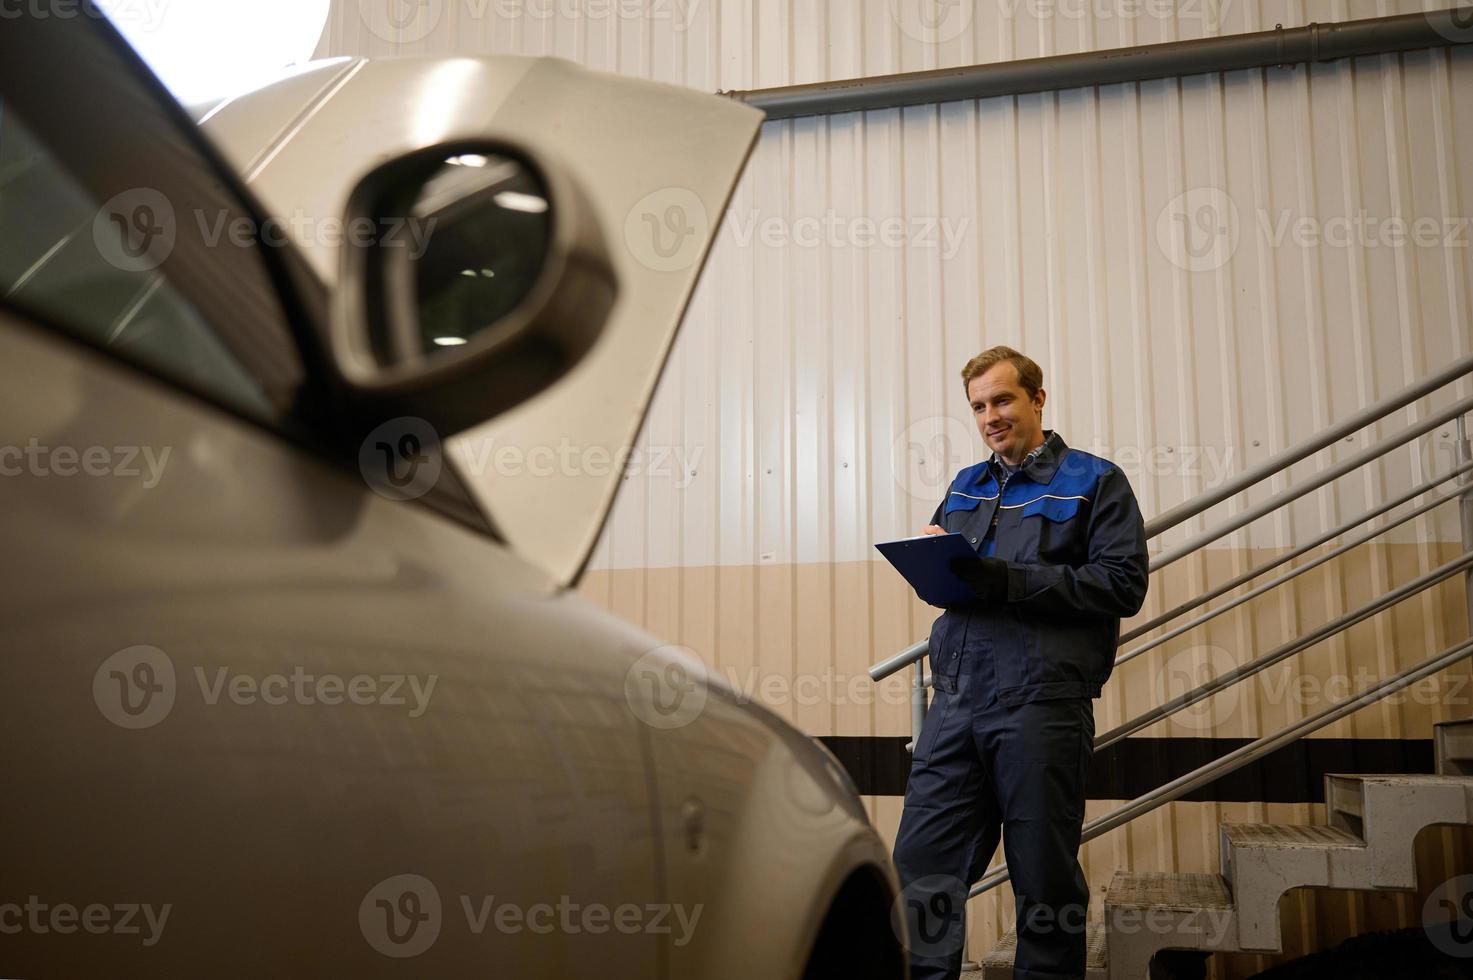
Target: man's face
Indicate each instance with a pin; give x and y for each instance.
(1011, 423)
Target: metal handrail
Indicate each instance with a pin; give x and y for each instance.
(1222, 681)
(1293, 573)
(900, 660)
(1313, 483)
(1254, 750)
(1288, 457)
(1288, 556)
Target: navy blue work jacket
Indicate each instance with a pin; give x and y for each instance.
(1069, 528)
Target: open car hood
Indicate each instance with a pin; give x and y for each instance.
(658, 164)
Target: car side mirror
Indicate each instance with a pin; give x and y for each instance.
(475, 275)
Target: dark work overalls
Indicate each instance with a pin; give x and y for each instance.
(1006, 745)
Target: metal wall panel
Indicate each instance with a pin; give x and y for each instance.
(1062, 225)
(730, 44)
(1208, 269)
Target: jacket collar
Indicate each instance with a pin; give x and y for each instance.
(1042, 462)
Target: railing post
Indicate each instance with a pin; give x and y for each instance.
(917, 703)
(1465, 506)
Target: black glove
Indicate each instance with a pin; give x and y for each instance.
(987, 577)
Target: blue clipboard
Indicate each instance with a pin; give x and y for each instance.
(925, 561)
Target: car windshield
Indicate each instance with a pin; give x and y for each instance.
(92, 267)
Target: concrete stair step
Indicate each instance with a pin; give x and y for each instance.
(1453, 747)
(1262, 861)
(1175, 891)
(1288, 836)
(1146, 912)
(1350, 796)
(997, 964)
(1387, 812)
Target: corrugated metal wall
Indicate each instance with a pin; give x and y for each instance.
(1208, 270)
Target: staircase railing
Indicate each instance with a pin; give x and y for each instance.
(1463, 473)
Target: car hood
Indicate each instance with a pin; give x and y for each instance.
(658, 164)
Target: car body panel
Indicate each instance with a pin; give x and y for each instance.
(531, 775)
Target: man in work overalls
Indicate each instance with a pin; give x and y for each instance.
(1061, 558)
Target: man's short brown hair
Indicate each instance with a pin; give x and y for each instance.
(1030, 375)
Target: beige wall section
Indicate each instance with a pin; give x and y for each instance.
(800, 638)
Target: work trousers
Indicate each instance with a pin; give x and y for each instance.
(981, 769)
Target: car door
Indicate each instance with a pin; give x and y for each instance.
(258, 717)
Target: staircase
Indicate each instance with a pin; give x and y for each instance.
(1367, 844)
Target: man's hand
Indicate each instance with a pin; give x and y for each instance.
(987, 577)
(933, 529)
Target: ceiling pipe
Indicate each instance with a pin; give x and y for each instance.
(1279, 47)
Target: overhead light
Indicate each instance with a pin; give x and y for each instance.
(467, 160)
(517, 201)
(206, 50)
(468, 272)
(449, 341)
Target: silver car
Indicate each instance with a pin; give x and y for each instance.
(288, 687)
